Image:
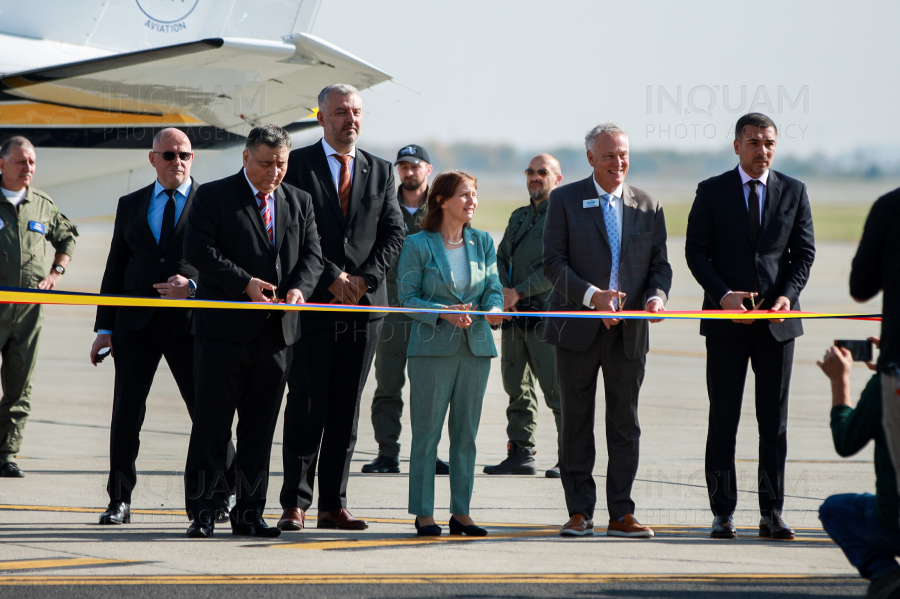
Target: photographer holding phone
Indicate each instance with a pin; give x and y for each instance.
(864, 526)
(876, 267)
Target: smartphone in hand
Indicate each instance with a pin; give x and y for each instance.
(860, 349)
(101, 355)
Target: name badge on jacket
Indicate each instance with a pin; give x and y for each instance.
(36, 226)
(595, 203)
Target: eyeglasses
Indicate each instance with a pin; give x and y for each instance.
(541, 171)
(169, 156)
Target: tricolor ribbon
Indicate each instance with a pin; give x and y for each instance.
(15, 295)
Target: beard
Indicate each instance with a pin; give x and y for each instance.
(412, 184)
(537, 195)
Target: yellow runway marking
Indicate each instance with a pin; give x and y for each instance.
(398, 542)
(36, 564)
(370, 579)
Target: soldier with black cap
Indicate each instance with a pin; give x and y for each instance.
(413, 166)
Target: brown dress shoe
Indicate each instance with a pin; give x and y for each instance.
(577, 526)
(629, 528)
(292, 519)
(340, 519)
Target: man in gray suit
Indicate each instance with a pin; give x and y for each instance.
(604, 245)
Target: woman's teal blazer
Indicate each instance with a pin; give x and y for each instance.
(424, 280)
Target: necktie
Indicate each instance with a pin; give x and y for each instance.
(168, 221)
(266, 216)
(753, 206)
(612, 231)
(344, 183)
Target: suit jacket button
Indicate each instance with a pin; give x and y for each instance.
(162, 259)
(757, 255)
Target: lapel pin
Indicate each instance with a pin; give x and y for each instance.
(472, 242)
(365, 171)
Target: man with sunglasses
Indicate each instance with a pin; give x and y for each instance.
(146, 259)
(526, 355)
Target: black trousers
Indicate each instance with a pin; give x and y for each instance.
(577, 374)
(332, 360)
(726, 372)
(249, 378)
(137, 354)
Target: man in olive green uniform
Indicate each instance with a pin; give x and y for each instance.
(27, 218)
(524, 355)
(413, 166)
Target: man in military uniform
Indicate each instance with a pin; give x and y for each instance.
(413, 165)
(27, 218)
(524, 355)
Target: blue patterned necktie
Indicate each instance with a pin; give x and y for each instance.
(612, 231)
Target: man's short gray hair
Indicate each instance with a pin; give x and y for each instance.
(336, 88)
(271, 135)
(14, 142)
(607, 128)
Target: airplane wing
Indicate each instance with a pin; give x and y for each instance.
(226, 83)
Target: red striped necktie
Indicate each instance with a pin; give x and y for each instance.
(266, 216)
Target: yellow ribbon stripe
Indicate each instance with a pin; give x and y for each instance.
(60, 298)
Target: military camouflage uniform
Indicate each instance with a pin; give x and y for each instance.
(24, 263)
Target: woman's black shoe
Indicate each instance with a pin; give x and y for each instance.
(470, 531)
(432, 530)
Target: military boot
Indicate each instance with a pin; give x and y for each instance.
(519, 460)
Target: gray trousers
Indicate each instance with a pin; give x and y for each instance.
(577, 372)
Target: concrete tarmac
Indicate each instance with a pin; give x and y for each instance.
(52, 545)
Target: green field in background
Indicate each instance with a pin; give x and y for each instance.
(832, 222)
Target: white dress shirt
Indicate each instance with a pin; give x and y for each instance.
(761, 192)
(270, 200)
(760, 189)
(335, 165)
(618, 205)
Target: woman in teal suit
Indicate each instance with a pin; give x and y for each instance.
(448, 265)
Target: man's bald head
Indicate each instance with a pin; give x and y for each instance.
(175, 144)
(542, 176)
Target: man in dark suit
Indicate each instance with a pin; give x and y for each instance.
(251, 238)
(604, 244)
(362, 232)
(750, 246)
(146, 259)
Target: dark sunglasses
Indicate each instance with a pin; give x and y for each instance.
(169, 156)
(541, 171)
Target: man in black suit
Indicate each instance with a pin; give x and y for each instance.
(750, 245)
(146, 259)
(362, 233)
(251, 238)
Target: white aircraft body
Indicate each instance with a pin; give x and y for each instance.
(90, 82)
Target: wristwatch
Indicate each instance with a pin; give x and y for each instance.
(58, 269)
(192, 289)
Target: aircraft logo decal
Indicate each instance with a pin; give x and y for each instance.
(167, 16)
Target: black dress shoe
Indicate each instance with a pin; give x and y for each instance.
(118, 512)
(456, 528)
(201, 528)
(441, 467)
(251, 524)
(774, 527)
(223, 513)
(723, 528)
(382, 465)
(431, 530)
(11, 470)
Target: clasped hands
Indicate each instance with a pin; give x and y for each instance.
(734, 300)
(256, 287)
(602, 300)
(464, 321)
(347, 289)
